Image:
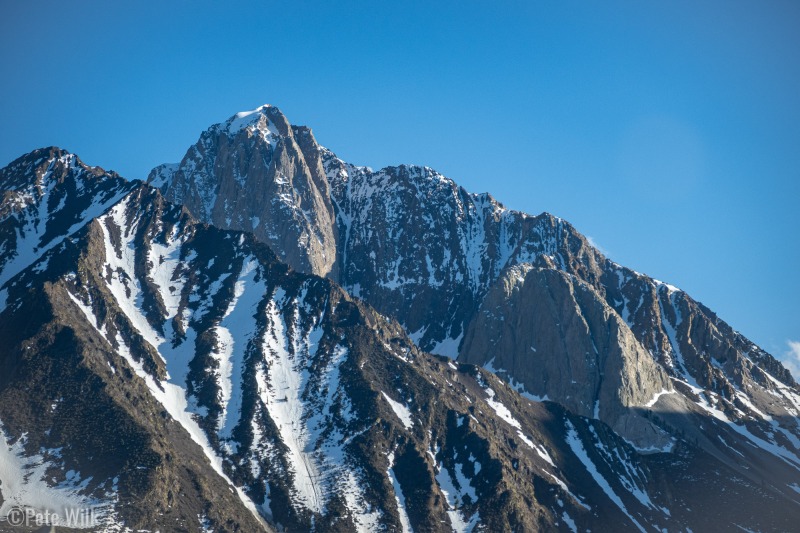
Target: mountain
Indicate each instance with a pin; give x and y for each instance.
(525, 296)
(240, 345)
(212, 365)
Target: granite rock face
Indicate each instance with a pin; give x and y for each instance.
(257, 173)
(552, 335)
(425, 251)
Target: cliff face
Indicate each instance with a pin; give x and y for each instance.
(426, 251)
(257, 173)
(551, 334)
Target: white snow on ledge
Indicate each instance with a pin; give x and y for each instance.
(405, 522)
(658, 395)
(401, 411)
(670, 288)
(503, 412)
(448, 347)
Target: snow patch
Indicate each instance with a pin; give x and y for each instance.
(284, 399)
(234, 334)
(452, 496)
(401, 411)
(569, 521)
(250, 119)
(405, 523)
(564, 487)
(448, 347)
(503, 412)
(658, 395)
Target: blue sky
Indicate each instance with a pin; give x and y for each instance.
(669, 132)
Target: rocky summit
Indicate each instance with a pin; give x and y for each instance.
(263, 337)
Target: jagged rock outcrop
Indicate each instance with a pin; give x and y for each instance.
(425, 251)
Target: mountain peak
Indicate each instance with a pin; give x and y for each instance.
(29, 171)
(21, 173)
(45, 197)
(266, 120)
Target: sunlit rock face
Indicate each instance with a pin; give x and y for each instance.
(257, 173)
(552, 335)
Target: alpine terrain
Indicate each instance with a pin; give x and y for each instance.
(263, 337)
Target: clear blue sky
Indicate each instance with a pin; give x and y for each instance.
(669, 132)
